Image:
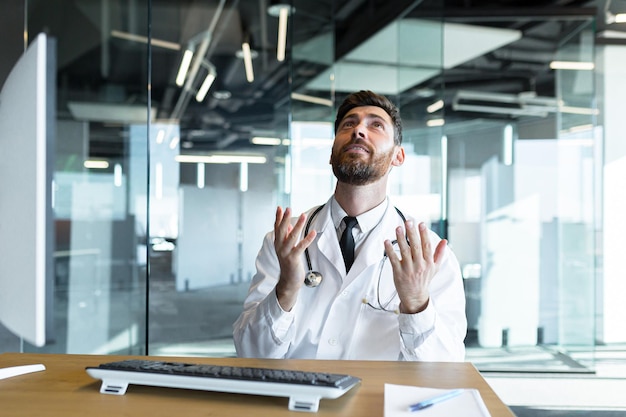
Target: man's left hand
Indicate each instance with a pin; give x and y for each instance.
(413, 272)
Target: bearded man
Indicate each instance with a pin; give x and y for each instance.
(354, 278)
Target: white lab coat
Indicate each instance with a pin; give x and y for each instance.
(332, 321)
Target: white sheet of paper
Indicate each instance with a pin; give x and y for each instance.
(398, 398)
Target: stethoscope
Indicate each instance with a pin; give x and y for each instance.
(314, 278)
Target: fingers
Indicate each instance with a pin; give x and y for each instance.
(439, 250)
(427, 251)
(282, 224)
(419, 249)
(287, 234)
(416, 266)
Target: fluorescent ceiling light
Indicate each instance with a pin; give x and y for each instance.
(435, 122)
(184, 67)
(614, 18)
(206, 84)
(221, 159)
(572, 65)
(282, 11)
(312, 99)
(160, 136)
(93, 164)
(143, 39)
(437, 105)
(247, 61)
(282, 33)
(260, 140)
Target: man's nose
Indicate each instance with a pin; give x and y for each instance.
(359, 130)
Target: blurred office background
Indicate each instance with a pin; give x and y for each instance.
(513, 133)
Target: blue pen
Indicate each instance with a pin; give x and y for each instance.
(432, 401)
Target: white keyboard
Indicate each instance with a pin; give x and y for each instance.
(304, 389)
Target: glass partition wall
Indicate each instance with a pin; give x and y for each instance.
(522, 188)
(166, 188)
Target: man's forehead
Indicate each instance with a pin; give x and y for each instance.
(371, 111)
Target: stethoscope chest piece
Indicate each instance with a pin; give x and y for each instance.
(312, 279)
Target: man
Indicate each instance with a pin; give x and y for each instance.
(399, 300)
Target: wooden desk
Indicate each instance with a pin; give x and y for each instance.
(65, 389)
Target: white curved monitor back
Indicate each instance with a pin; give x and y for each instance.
(27, 136)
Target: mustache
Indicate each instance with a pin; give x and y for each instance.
(357, 141)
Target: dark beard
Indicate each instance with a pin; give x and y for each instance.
(351, 169)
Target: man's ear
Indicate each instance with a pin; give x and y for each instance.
(398, 158)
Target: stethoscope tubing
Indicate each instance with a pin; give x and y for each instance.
(306, 251)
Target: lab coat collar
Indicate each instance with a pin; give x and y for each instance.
(371, 251)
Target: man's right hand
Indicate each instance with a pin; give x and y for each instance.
(289, 251)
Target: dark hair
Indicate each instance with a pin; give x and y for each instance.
(369, 98)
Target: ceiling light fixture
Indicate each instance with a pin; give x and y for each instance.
(263, 140)
(160, 136)
(247, 61)
(282, 11)
(437, 105)
(620, 18)
(201, 54)
(96, 164)
(610, 17)
(206, 84)
(184, 67)
(312, 99)
(572, 65)
(435, 122)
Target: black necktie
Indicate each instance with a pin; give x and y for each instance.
(347, 241)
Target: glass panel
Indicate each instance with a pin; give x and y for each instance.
(578, 156)
(221, 165)
(521, 161)
(509, 177)
(420, 184)
(100, 205)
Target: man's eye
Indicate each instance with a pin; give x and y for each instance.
(348, 124)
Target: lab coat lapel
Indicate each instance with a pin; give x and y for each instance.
(327, 241)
